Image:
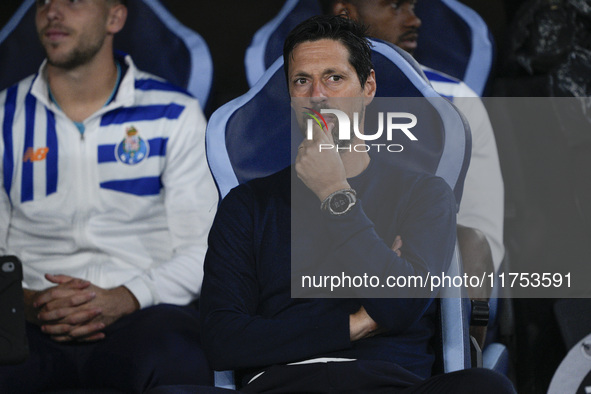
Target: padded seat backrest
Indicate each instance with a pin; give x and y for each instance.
(455, 40)
(238, 151)
(251, 137)
(267, 43)
(157, 42)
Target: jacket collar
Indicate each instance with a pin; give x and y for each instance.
(124, 97)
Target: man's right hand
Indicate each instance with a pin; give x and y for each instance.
(322, 171)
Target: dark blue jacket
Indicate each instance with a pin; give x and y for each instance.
(249, 320)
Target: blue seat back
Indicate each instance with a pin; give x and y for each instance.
(455, 40)
(157, 41)
(267, 43)
(251, 137)
(238, 151)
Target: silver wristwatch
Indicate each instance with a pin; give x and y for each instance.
(339, 202)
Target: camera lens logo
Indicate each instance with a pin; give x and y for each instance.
(317, 117)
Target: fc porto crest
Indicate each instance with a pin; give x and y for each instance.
(133, 149)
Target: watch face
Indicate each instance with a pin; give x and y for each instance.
(339, 203)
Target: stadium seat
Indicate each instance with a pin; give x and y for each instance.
(183, 57)
(448, 21)
(236, 160)
(156, 40)
(267, 44)
(239, 132)
(453, 39)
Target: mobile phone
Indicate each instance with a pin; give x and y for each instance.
(14, 347)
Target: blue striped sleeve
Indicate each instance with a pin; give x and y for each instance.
(147, 112)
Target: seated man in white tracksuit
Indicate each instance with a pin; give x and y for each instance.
(107, 199)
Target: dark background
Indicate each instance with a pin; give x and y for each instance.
(534, 174)
(228, 26)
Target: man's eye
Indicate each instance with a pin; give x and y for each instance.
(335, 78)
(300, 81)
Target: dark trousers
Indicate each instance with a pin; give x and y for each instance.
(155, 346)
(367, 376)
(362, 376)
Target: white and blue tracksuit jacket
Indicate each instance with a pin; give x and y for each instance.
(129, 202)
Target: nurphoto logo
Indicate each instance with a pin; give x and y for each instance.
(393, 123)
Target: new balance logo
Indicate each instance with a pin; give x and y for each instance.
(32, 154)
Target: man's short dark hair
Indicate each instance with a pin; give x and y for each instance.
(347, 32)
(124, 2)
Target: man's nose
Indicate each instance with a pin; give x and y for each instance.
(52, 9)
(412, 20)
(318, 92)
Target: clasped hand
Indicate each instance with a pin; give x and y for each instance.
(77, 310)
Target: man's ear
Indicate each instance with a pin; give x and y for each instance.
(117, 18)
(346, 9)
(370, 87)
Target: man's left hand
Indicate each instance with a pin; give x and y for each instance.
(58, 317)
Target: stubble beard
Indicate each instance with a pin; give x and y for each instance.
(77, 57)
